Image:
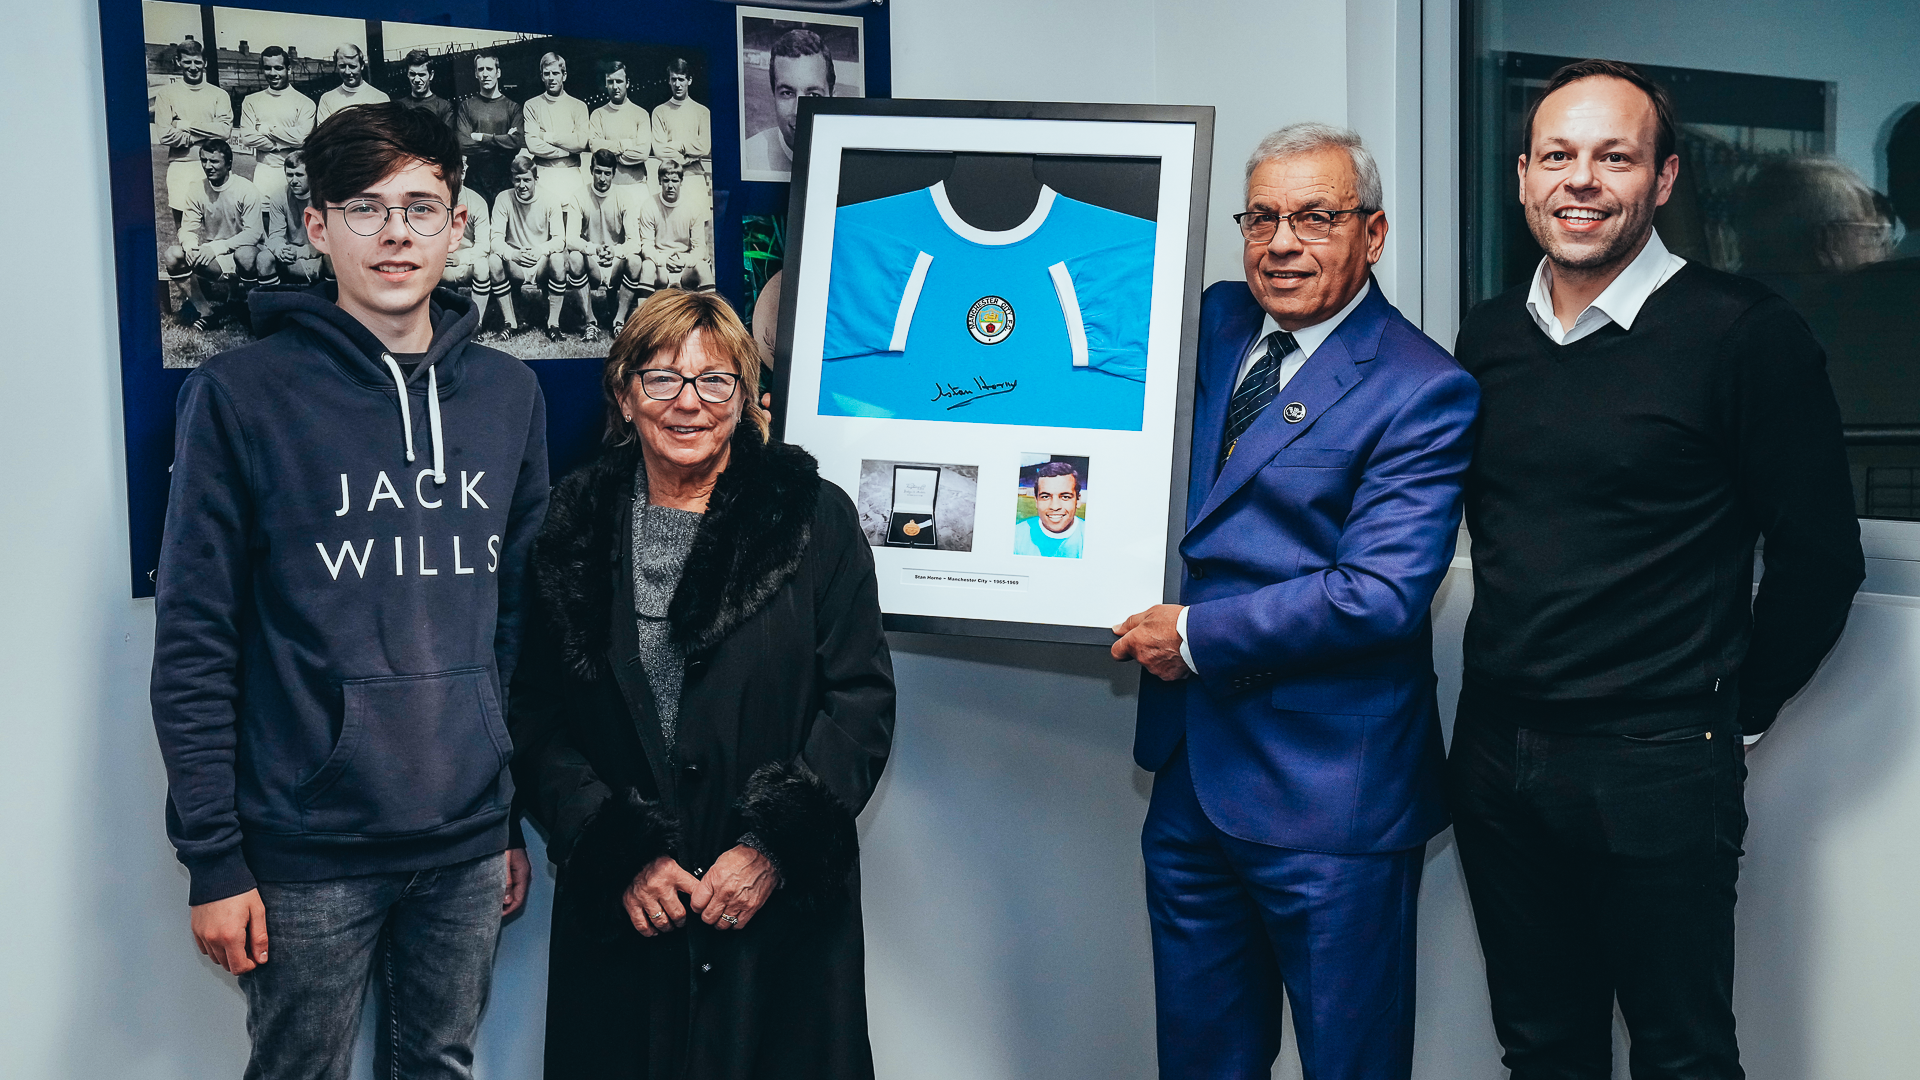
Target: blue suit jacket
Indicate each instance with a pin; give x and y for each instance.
(1311, 562)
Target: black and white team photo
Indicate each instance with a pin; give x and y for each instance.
(587, 180)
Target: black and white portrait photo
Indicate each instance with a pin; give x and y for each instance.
(786, 56)
(587, 175)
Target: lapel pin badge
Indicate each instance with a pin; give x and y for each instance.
(1294, 412)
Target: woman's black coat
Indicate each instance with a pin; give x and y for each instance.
(785, 723)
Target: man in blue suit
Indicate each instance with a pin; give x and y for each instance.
(1288, 710)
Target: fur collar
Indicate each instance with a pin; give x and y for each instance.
(758, 524)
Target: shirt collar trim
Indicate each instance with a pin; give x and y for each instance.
(992, 239)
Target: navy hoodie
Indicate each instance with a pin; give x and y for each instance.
(339, 598)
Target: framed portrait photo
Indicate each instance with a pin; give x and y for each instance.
(786, 57)
(986, 305)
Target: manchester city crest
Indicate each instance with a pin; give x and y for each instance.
(990, 320)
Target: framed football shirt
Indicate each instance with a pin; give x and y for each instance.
(931, 318)
(979, 295)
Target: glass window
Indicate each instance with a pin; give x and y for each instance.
(1799, 166)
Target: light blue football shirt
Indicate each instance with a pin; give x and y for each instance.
(929, 318)
(1032, 538)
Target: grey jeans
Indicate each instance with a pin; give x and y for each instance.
(427, 935)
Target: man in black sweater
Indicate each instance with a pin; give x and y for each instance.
(1643, 421)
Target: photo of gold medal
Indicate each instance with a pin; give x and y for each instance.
(912, 528)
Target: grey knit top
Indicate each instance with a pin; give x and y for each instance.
(662, 537)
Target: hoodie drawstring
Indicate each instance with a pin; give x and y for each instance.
(433, 415)
(433, 425)
(406, 412)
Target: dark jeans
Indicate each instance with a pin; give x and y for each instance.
(1603, 867)
(427, 935)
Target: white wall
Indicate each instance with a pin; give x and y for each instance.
(1231, 54)
(96, 972)
(1007, 934)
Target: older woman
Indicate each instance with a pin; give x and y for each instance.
(707, 706)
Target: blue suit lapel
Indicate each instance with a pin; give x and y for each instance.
(1236, 333)
(1335, 368)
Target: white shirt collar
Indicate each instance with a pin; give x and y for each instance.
(981, 236)
(1309, 339)
(1312, 337)
(1620, 302)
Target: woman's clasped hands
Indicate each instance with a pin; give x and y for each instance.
(726, 897)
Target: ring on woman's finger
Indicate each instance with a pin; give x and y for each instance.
(657, 915)
(730, 920)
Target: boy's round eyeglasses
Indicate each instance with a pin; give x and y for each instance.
(366, 217)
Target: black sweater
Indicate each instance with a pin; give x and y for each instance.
(1618, 489)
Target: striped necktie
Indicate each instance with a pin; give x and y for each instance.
(1257, 389)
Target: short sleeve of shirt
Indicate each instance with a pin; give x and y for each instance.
(478, 216)
(1112, 289)
(872, 290)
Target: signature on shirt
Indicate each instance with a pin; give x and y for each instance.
(981, 388)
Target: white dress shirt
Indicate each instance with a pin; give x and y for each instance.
(1620, 302)
(1309, 339)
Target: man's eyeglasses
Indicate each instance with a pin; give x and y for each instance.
(663, 384)
(425, 217)
(1259, 226)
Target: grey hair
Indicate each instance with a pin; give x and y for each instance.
(1305, 138)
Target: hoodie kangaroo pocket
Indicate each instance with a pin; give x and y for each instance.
(415, 753)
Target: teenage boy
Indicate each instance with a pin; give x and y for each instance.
(339, 607)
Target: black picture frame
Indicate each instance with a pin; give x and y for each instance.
(1200, 119)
